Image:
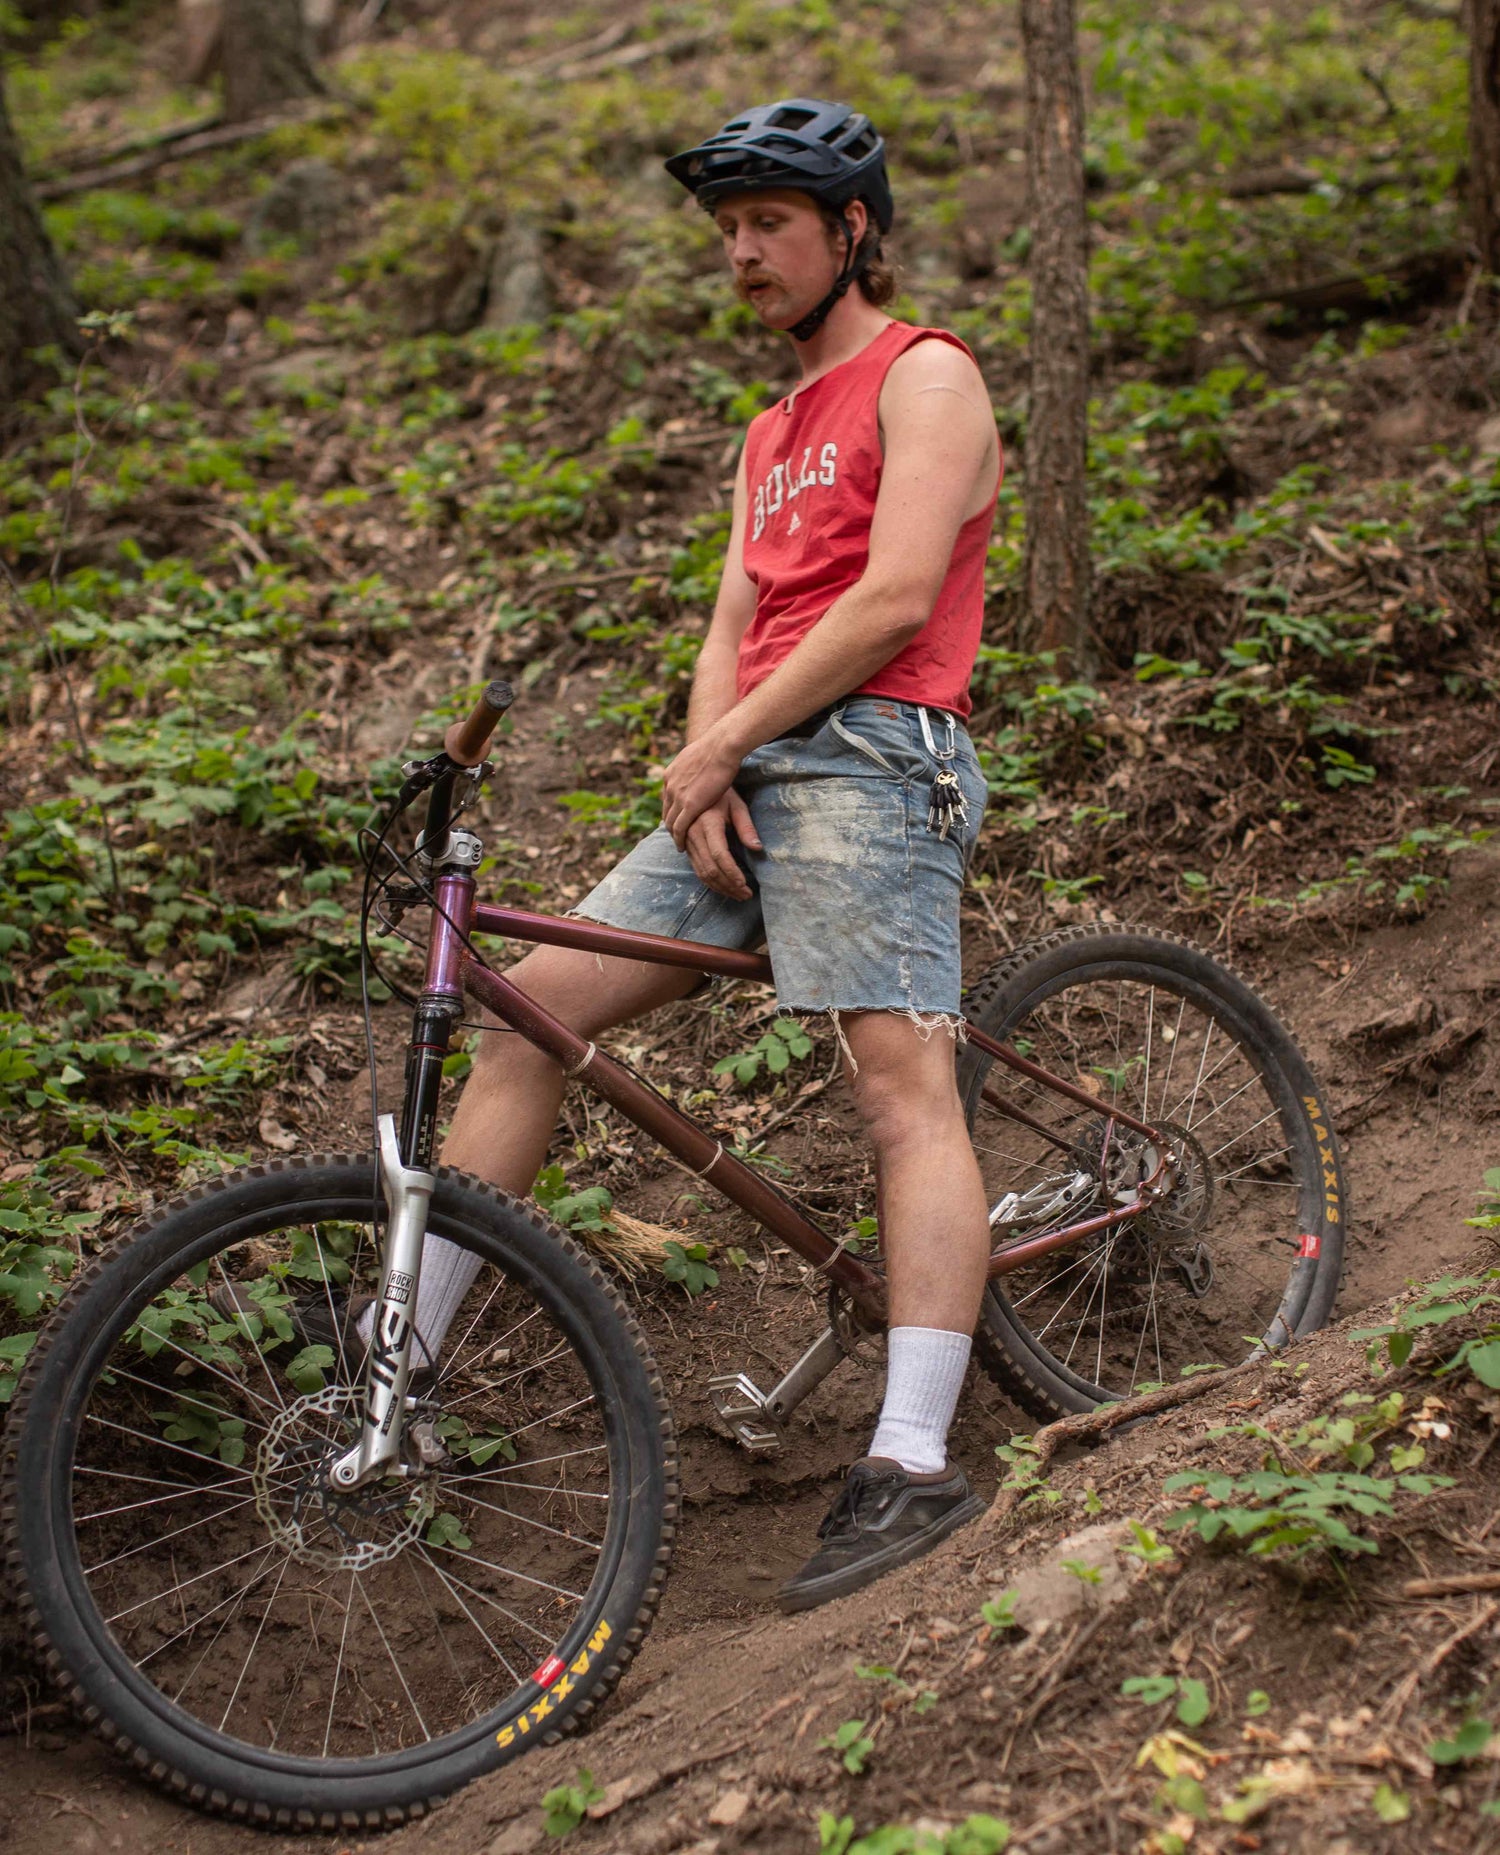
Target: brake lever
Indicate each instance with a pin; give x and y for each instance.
(421, 775)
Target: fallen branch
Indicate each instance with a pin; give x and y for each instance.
(1260, 183)
(574, 54)
(182, 148)
(77, 159)
(1454, 1585)
(1106, 1417)
(1425, 273)
(682, 46)
(1393, 1709)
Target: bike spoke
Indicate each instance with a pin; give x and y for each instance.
(1168, 1056)
(161, 1539)
(178, 1586)
(234, 1600)
(535, 1365)
(160, 1442)
(494, 1603)
(254, 1645)
(156, 1500)
(533, 1462)
(338, 1666)
(505, 1571)
(573, 1539)
(394, 1659)
(451, 1587)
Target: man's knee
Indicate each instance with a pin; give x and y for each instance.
(905, 1092)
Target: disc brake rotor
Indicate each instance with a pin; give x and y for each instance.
(302, 1511)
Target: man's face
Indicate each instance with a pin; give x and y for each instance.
(782, 253)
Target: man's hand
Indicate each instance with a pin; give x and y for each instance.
(708, 846)
(699, 777)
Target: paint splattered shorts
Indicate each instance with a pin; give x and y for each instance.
(855, 897)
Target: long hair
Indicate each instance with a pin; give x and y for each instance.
(877, 281)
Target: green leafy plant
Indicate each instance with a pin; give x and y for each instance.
(1488, 1215)
(976, 1835)
(1449, 1299)
(1021, 1456)
(565, 1806)
(917, 1700)
(1292, 1501)
(785, 1043)
(853, 1745)
(476, 1446)
(1469, 1742)
(687, 1264)
(445, 1529)
(1000, 1612)
(1145, 1546)
(1193, 1703)
(587, 1209)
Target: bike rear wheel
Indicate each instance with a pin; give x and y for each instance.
(1247, 1248)
(272, 1649)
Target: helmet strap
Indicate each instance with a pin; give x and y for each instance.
(853, 269)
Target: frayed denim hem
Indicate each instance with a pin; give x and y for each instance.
(926, 1022)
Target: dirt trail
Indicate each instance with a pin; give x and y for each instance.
(729, 1700)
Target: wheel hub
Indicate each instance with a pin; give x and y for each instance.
(1177, 1206)
(303, 1511)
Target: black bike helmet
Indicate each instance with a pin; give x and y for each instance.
(825, 149)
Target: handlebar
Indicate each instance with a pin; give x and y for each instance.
(466, 741)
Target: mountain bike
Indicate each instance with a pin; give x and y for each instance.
(324, 1585)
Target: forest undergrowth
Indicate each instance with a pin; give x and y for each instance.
(315, 480)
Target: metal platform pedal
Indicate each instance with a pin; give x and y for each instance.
(758, 1419)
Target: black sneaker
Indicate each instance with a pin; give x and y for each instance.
(884, 1517)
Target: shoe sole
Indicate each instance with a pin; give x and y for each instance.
(855, 1577)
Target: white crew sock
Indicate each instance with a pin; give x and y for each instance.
(924, 1375)
(447, 1276)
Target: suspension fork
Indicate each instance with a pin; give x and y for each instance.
(406, 1171)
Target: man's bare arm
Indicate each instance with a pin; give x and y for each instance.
(713, 695)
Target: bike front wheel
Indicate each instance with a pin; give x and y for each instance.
(1246, 1249)
(263, 1644)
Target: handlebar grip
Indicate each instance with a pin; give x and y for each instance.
(467, 742)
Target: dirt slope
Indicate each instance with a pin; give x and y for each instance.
(729, 1700)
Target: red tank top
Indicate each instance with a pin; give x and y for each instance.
(813, 465)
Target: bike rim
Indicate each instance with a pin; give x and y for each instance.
(1210, 1273)
(428, 1613)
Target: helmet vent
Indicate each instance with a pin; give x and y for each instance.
(790, 118)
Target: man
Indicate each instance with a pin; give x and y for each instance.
(827, 795)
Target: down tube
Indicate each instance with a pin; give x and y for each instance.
(682, 1137)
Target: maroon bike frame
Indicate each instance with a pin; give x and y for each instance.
(453, 969)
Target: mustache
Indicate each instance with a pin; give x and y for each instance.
(744, 280)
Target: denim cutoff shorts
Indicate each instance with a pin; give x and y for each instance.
(853, 894)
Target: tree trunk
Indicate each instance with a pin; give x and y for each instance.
(36, 305)
(266, 57)
(1056, 612)
(1484, 128)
